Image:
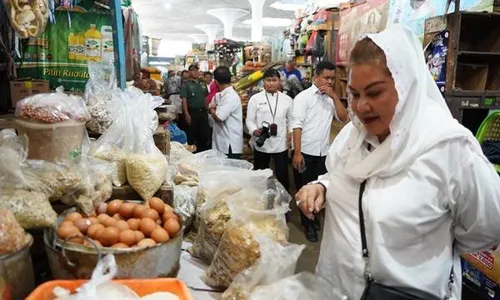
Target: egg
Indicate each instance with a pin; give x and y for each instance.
(127, 237)
(66, 231)
(170, 215)
(139, 236)
(83, 225)
(139, 210)
(160, 235)
(151, 214)
(127, 210)
(89, 244)
(102, 217)
(121, 225)
(157, 204)
(117, 216)
(133, 223)
(147, 226)
(109, 222)
(92, 230)
(109, 236)
(94, 220)
(167, 208)
(101, 209)
(114, 207)
(64, 223)
(92, 214)
(119, 246)
(146, 243)
(73, 216)
(172, 227)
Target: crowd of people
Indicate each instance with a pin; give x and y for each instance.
(210, 112)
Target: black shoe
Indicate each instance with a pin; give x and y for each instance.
(316, 223)
(311, 234)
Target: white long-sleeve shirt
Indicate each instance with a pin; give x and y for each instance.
(259, 110)
(229, 132)
(449, 193)
(313, 112)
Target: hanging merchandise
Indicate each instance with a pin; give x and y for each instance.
(132, 43)
(60, 54)
(7, 45)
(310, 43)
(436, 55)
(28, 18)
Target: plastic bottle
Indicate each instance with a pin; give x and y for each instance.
(108, 54)
(80, 47)
(71, 46)
(93, 44)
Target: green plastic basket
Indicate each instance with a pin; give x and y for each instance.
(490, 130)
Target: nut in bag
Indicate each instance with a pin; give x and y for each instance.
(252, 213)
(12, 235)
(276, 261)
(212, 210)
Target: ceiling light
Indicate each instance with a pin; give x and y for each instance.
(288, 5)
(167, 6)
(272, 22)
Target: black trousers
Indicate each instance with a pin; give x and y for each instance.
(315, 166)
(198, 131)
(262, 161)
(232, 155)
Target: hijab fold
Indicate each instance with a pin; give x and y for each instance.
(421, 120)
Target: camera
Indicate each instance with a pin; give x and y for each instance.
(264, 135)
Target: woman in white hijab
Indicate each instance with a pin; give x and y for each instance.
(430, 193)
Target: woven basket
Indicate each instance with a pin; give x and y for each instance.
(490, 130)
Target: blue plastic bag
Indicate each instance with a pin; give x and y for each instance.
(177, 135)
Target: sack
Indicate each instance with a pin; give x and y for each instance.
(276, 261)
(377, 291)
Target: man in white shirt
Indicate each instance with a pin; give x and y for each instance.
(270, 109)
(227, 113)
(313, 112)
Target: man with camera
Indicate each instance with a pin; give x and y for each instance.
(313, 113)
(269, 116)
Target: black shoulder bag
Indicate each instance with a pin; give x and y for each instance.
(374, 290)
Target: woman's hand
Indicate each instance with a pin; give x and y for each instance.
(298, 161)
(310, 199)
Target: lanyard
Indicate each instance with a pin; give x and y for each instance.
(275, 107)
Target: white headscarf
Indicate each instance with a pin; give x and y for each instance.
(421, 119)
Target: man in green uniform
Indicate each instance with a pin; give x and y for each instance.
(194, 107)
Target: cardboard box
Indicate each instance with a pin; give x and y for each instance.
(475, 280)
(488, 262)
(21, 89)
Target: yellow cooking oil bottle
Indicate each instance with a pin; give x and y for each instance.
(80, 47)
(71, 46)
(93, 44)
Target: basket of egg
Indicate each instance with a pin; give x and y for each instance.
(145, 238)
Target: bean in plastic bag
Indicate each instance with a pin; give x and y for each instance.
(252, 214)
(12, 235)
(100, 285)
(302, 286)
(215, 189)
(276, 261)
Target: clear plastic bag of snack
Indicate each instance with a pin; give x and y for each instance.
(185, 203)
(52, 108)
(253, 213)
(12, 235)
(302, 286)
(130, 145)
(213, 214)
(100, 285)
(276, 261)
(98, 96)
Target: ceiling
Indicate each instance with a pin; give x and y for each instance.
(180, 20)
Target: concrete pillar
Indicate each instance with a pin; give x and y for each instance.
(228, 16)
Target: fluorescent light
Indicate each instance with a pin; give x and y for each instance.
(272, 22)
(286, 6)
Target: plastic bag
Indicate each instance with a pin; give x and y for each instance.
(12, 235)
(212, 209)
(302, 286)
(276, 261)
(253, 213)
(130, 145)
(100, 285)
(185, 203)
(98, 95)
(52, 108)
